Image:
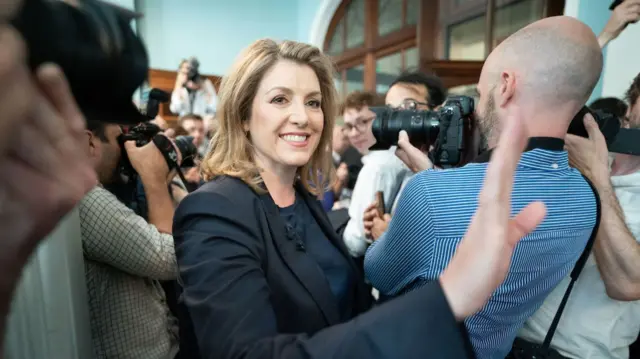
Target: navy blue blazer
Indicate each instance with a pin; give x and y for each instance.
(246, 291)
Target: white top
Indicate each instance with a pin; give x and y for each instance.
(381, 171)
(201, 102)
(592, 324)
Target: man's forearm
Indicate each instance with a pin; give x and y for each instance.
(616, 250)
(604, 39)
(159, 203)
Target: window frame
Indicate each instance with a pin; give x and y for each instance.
(429, 35)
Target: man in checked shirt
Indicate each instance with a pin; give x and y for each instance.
(125, 256)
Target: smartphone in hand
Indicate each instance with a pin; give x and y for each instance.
(380, 201)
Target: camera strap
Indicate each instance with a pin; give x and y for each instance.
(170, 154)
(576, 269)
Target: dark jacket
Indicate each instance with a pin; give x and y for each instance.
(249, 292)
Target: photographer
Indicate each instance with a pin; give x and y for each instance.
(126, 257)
(193, 93)
(436, 206)
(609, 285)
(608, 288)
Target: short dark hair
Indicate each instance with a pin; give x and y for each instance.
(190, 116)
(612, 105)
(360, 99)
(435, 86)
(98, 129)
(634, 91)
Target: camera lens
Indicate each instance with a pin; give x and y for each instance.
(422, 127)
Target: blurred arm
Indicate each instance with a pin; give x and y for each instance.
(179, 101)
(616, 250)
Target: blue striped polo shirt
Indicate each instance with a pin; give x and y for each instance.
(432, 217)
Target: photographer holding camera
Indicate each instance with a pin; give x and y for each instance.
(601, 318)
(126, 256)
(193, 93)
(436, 206)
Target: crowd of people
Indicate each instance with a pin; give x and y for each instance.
(290, 237)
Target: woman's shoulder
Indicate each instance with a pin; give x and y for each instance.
(226, 186)
(224, 206)
(226, 189)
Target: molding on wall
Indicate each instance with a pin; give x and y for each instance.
(321, 21)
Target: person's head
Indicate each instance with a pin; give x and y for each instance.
(632, 118)
(103, 148)
(340, 141)
(544, 72)
(186, 65)
(358, 118)
(612, 105)
(194, 125)
(416, 90)
(276, 113)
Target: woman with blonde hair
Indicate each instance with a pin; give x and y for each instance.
(262, 272)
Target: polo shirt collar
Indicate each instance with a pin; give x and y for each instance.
(553, 155)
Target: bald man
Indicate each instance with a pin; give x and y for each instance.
(543, 73)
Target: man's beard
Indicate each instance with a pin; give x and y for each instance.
(488, 123)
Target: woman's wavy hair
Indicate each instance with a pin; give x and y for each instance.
(230, 151)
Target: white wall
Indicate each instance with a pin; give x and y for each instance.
(127, 4)
(623, 62)
(49, 316)
(217, 30)
(621, 56)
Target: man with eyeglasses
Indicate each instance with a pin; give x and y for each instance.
(410, 91)
(382, 170)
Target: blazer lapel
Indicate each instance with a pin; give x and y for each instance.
(301, 265)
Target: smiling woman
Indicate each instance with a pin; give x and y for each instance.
(262, 272)
(276, 111)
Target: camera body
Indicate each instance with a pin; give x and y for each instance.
(101, 56)
(146, 132)
(608, 123)
(130, 190)
(193, 74)
(447, 131)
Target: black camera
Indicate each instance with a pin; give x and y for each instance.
(156, 97)
(129, 190)
(146, 132)
(94, 44)
(619, 139)
(193, 74)
(448, 131)
(608, 123)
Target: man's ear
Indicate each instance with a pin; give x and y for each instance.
(91, 141)
(507, 88)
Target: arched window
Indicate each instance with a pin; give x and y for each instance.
(372, 41)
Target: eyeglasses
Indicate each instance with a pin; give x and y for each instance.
(360, 126)
(412, 105)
